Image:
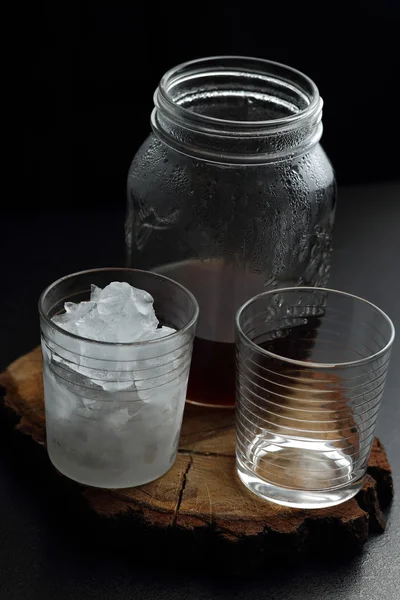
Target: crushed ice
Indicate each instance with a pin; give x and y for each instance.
(119, 313)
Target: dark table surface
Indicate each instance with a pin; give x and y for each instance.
(40, 561)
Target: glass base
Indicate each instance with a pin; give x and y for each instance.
(296, 498)
(106, 480)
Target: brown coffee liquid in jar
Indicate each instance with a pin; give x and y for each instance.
(231, 195)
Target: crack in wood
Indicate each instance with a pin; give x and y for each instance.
(183, 486)
(200, 453)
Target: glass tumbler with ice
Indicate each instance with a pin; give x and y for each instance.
(115, 371)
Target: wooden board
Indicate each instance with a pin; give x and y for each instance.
(201, 499)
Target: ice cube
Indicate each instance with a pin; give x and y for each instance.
(78, 311)
(160, 332)
(127, 309)
(73, 314)
(94, 327)
(65, 322)
(94, 293)
(118, 313)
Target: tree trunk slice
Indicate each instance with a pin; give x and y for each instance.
(201, 496)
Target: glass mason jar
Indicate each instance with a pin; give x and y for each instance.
(231, 195)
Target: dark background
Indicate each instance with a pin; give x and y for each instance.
(89, 72)
(87, 76)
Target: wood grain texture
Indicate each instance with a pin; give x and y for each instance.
(201, 496)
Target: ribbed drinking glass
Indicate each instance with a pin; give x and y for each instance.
(311, 369)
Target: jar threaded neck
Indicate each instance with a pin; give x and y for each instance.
(237, 110)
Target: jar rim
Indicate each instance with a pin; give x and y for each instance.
(248, 66)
